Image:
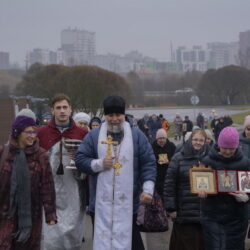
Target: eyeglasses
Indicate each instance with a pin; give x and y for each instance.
(30, 132)
(198, 140)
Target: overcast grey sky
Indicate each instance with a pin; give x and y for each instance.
(121, 25)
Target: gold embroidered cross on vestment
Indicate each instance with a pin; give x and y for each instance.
(117, 165)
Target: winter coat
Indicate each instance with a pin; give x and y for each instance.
(42, 196)
(169, 149)
(142, 124)
(218, 128)
(224, 206)
(200, 121)
(188, 125)
(222, 210)
(245, 148)
(178, 124)
(153, 126)
(245, 145)
(165, 125)
(144, 163)
(177, 194)
(214, 123)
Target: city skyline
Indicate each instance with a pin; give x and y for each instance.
(121, 26)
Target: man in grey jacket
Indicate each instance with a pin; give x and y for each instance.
(122, 166)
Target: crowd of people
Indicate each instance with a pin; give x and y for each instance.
(120, 163)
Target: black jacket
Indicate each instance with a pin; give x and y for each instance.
(168, 149)
(223, 209)
(177, 194)
(187, 126)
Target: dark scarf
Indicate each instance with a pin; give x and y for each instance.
(20, 196)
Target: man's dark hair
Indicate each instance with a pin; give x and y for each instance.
(59, 97)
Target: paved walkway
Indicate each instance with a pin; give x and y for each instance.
(152, 241)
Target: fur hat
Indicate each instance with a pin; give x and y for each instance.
(81, 116)
(228, 138)
(247, 122)
(20, 123)
(114, 104)
(161, 133)
(27, 112)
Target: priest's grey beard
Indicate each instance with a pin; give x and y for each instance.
(115, 127)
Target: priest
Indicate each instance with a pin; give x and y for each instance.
(122, 166)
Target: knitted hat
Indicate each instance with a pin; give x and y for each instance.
(81, 116)
(27, 112)
(161, 133)
(247, 122)
(114, 104)
(228, 138)
(20, 123)
(195, 128)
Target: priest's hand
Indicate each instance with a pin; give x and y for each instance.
(146, 198)
(108, 162)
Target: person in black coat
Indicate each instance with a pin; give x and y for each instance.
(224, 216)
(142, 124)
(154, 123)
(245, 148)
(200, 120)
(187, 126)
(164, 151)
(183, 206)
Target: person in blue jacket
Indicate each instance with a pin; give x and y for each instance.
(123, 168)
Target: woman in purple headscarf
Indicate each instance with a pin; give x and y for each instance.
(26, 187)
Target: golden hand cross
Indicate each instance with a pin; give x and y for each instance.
(109, 142)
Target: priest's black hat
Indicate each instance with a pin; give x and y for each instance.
(114, 104)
